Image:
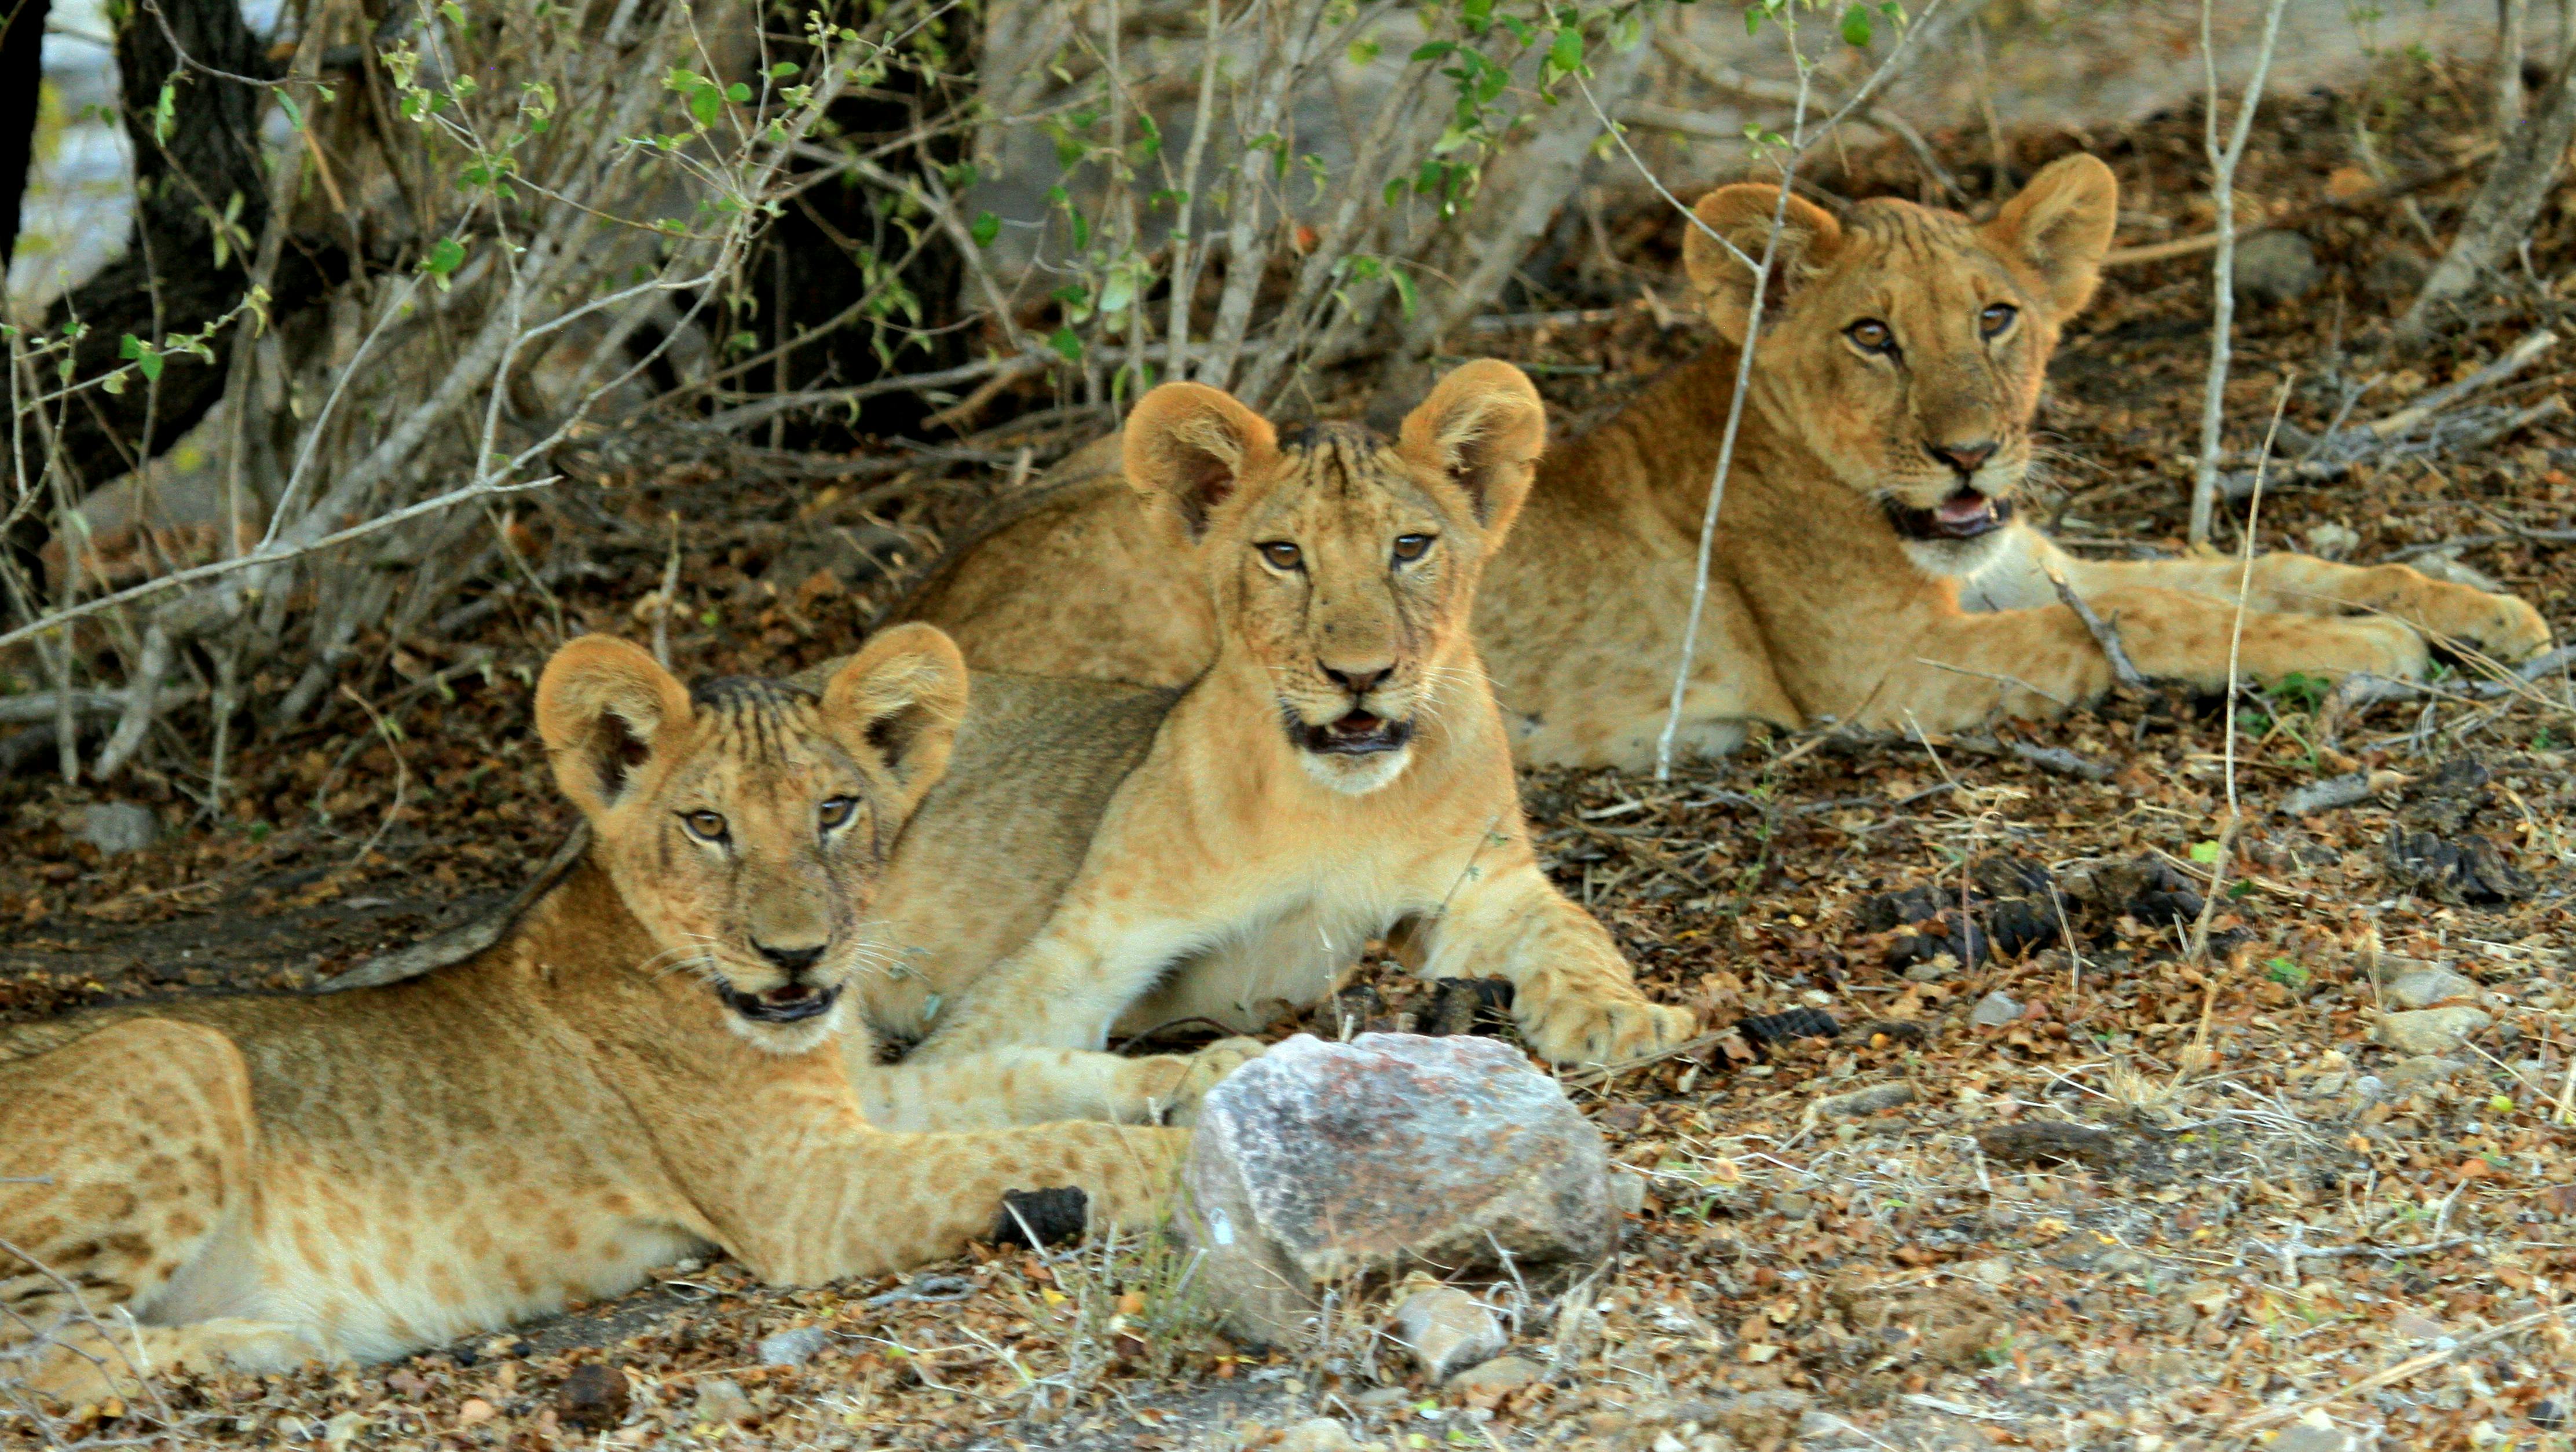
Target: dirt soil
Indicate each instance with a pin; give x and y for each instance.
(2109, 1151)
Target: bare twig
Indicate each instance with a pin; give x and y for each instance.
(2222, 166)
(2105, 633)
(2506, 204)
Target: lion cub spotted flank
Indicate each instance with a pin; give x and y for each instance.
(1868, 565)
(1103, 859)
(641, 1069)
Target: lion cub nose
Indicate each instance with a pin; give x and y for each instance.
(1359, 682)
(790, 960)
(1963, 457)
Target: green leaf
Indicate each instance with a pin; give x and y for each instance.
(445, 256)
(986, 228)
(1364, 51)
(294, 113)
(1067, 345)
(130, 348)
(1567, 52)
(782, 70)
(1434, 51)
(1856, 26)
(706, 103)
(2204, 853)
(1404, 295)
(738, 93)
(454, 12)
(150, 366)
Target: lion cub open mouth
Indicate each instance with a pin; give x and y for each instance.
(1964, 515)
(788, 1003)
(1356, 734)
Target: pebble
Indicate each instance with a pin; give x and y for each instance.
(1995, 1010)
(2274, 266)
(1862, 1102)
(1317, 1434)
(1447, 1331)
(2421, 1071)
(1627, 1190)
(593, 1398)
(2431, 1030)
(2316, 1435)
(1502, 1374)
(721, 1402)
(118, 827)
(793, 1348)
(2428, 986)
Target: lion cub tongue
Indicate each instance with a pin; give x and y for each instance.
(1965, 508)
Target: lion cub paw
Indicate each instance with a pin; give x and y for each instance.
(2337, 646)
(1175, 1083)
(1573, 1029)
(2501, 626)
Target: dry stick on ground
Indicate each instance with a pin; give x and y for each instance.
(2340, 449)
(2222, 182)
(2105, 633)
(2507, 203)
(2271, 1416)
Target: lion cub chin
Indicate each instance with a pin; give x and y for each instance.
(1105, 860)
(638, 1070)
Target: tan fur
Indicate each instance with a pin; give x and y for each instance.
(1816, 606)
(1103, 859)
(260, 1181)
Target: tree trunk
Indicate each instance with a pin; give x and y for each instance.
(22, 78)
(837, 241)
(2507, 203)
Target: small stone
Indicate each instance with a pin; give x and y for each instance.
(2421, 1072)
(474, 1412)
(2332, 541)
(2414, 1326)
(793, 1348)
(2312, 1434)
(1318, 1434)
(2275, 266)
(1931, 970)
(1627, 1190)
(1860, 1103)
(1502, 1374)
(2431, 1030)
(1447, 1331)
(1320, 1163)
(2428, 986)
(1761, 1416)
(593, 1398)
(2396, 275)
(118, 827)
(721, 1402)
(1995, 1010)
(343, 1429)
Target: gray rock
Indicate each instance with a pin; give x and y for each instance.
(1502, 1374)
(1862, 1102)
(2428, 986)
(1319, 1163)
(721, 1403)
(118, 827)
(2422, 1071)
(793, 1348)
(1317, 1434)
(1447, 1331)
(2313, 1436)
(1995, 1010)
(2396, 275)
(2275, 266)
(1627, 1190)
(2333, 541)
(2431, 1030)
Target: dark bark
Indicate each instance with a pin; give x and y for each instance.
(805, 270)
(22, 75)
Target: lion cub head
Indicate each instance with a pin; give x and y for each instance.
(745, 823)
(1341, 563)
(1906, 346)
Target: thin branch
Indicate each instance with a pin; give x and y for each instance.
(2105, 633)
(2222, 167)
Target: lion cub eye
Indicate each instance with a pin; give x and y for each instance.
(1411, 547)
(1997, 317)
(1282, 555)
(836, 811)
(705, 826)
(1872, 336)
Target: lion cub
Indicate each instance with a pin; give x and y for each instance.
(1104, 859)
(1868, 564)
(642, 1068)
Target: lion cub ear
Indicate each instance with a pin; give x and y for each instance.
(2059, 228)
(1192, 446)
(1482, 428)
(1741, 214)
(902, 697)
(603, 708)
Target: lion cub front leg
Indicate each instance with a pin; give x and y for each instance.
(999, 1088)
(1572, 995)
(2497, 625)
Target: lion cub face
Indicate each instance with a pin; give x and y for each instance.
(746, 823)
(1905, 345)
(1343, 564)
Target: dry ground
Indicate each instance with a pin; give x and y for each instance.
(2138, 1173)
